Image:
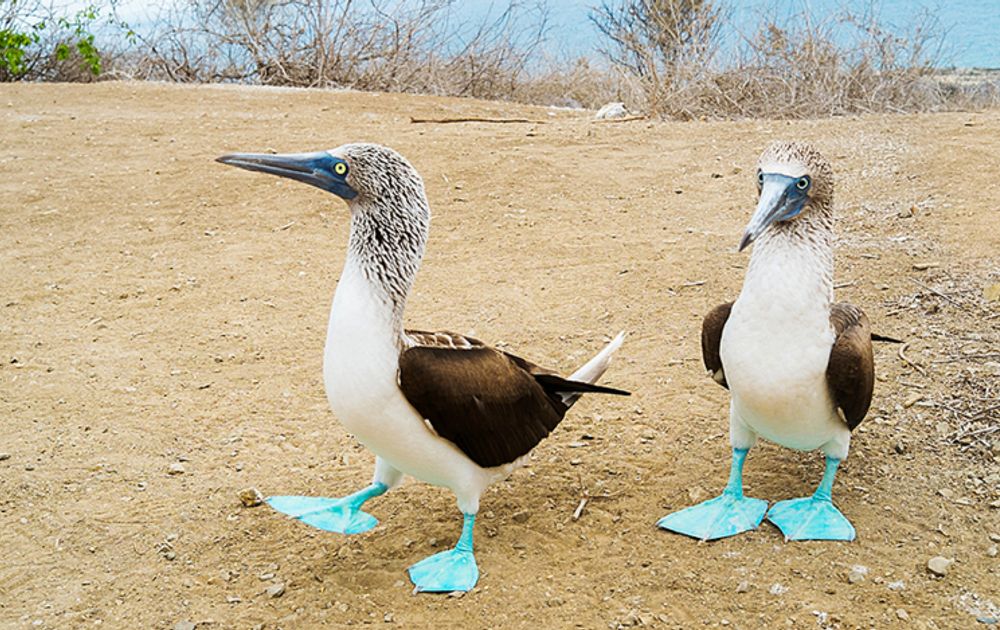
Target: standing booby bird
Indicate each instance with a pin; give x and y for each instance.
(799, 366)
(442, 407)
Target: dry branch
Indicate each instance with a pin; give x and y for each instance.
(442, 121)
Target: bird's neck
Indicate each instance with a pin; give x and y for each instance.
(384, 253)
(791, 267)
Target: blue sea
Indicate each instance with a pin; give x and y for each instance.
(970, 28)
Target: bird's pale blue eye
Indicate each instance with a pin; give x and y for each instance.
(340, 168)
(802, 183)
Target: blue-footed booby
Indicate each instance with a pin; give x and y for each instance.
(798, 365)
(442, 407)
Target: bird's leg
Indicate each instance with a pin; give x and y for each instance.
(815, 517)
(726, 515)
(452, 570)
(342, 515)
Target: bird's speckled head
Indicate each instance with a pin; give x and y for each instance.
(794, 183)
(378, 174)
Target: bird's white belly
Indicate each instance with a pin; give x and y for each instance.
(775, 360)
(360, 366)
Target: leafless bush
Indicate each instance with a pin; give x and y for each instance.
(664, 45)
(384, 45)
(847, 63)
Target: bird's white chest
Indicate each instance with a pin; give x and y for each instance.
(775, 349)
(361, 359)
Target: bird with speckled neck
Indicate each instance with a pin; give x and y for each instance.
(442, 407)
(798, 365)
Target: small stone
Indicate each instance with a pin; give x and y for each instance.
(521, 516)
(995, 538)
(939, 565)
(176, 468)
(857, 574)
(902, 614)
(233, 599)
(251, 497)
(898, 585)
(169, 555)
(264, 577)
(387, 617)
(743, 587)
(991, 551)
(777, 589)
(184, 625)
(4, 456)
(275, 590)
(611, 111)
(899, 447)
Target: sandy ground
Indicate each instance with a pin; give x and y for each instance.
(159, 308)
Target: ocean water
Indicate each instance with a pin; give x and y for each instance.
(971, 28)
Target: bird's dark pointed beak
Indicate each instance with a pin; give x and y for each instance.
(779, 200)
(316, 169)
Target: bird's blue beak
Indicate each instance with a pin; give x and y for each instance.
(781, 198)
(320, 169)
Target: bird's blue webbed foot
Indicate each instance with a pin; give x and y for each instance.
(815, 517)
(729, 514)
(342, 515)
(452, 570)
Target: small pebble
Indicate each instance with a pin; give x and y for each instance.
(388, 618)
(939, 565)
(183, 625)
(233, 599)
(251, 497)
(4, 456)
(521, 516)
(743, 587)
(995, 538)
(991, 551)
(176, 468)
(266, 576)
(778, 589)
(902, 614)
(857, 574)
(898, 585)
(276, 590)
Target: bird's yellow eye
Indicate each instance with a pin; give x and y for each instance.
(340, 168)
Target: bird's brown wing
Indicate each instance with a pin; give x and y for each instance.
(494, 406)
(851, 369)
(711, 337)
(479, 399)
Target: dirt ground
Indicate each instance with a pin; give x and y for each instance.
(161, 309)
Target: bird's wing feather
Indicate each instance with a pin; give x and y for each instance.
(851, 369)
(711, 337)
(484, 401)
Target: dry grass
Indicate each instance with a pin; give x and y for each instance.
(846, 63)
(665, 58)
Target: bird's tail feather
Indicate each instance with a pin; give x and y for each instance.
(592, 370)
